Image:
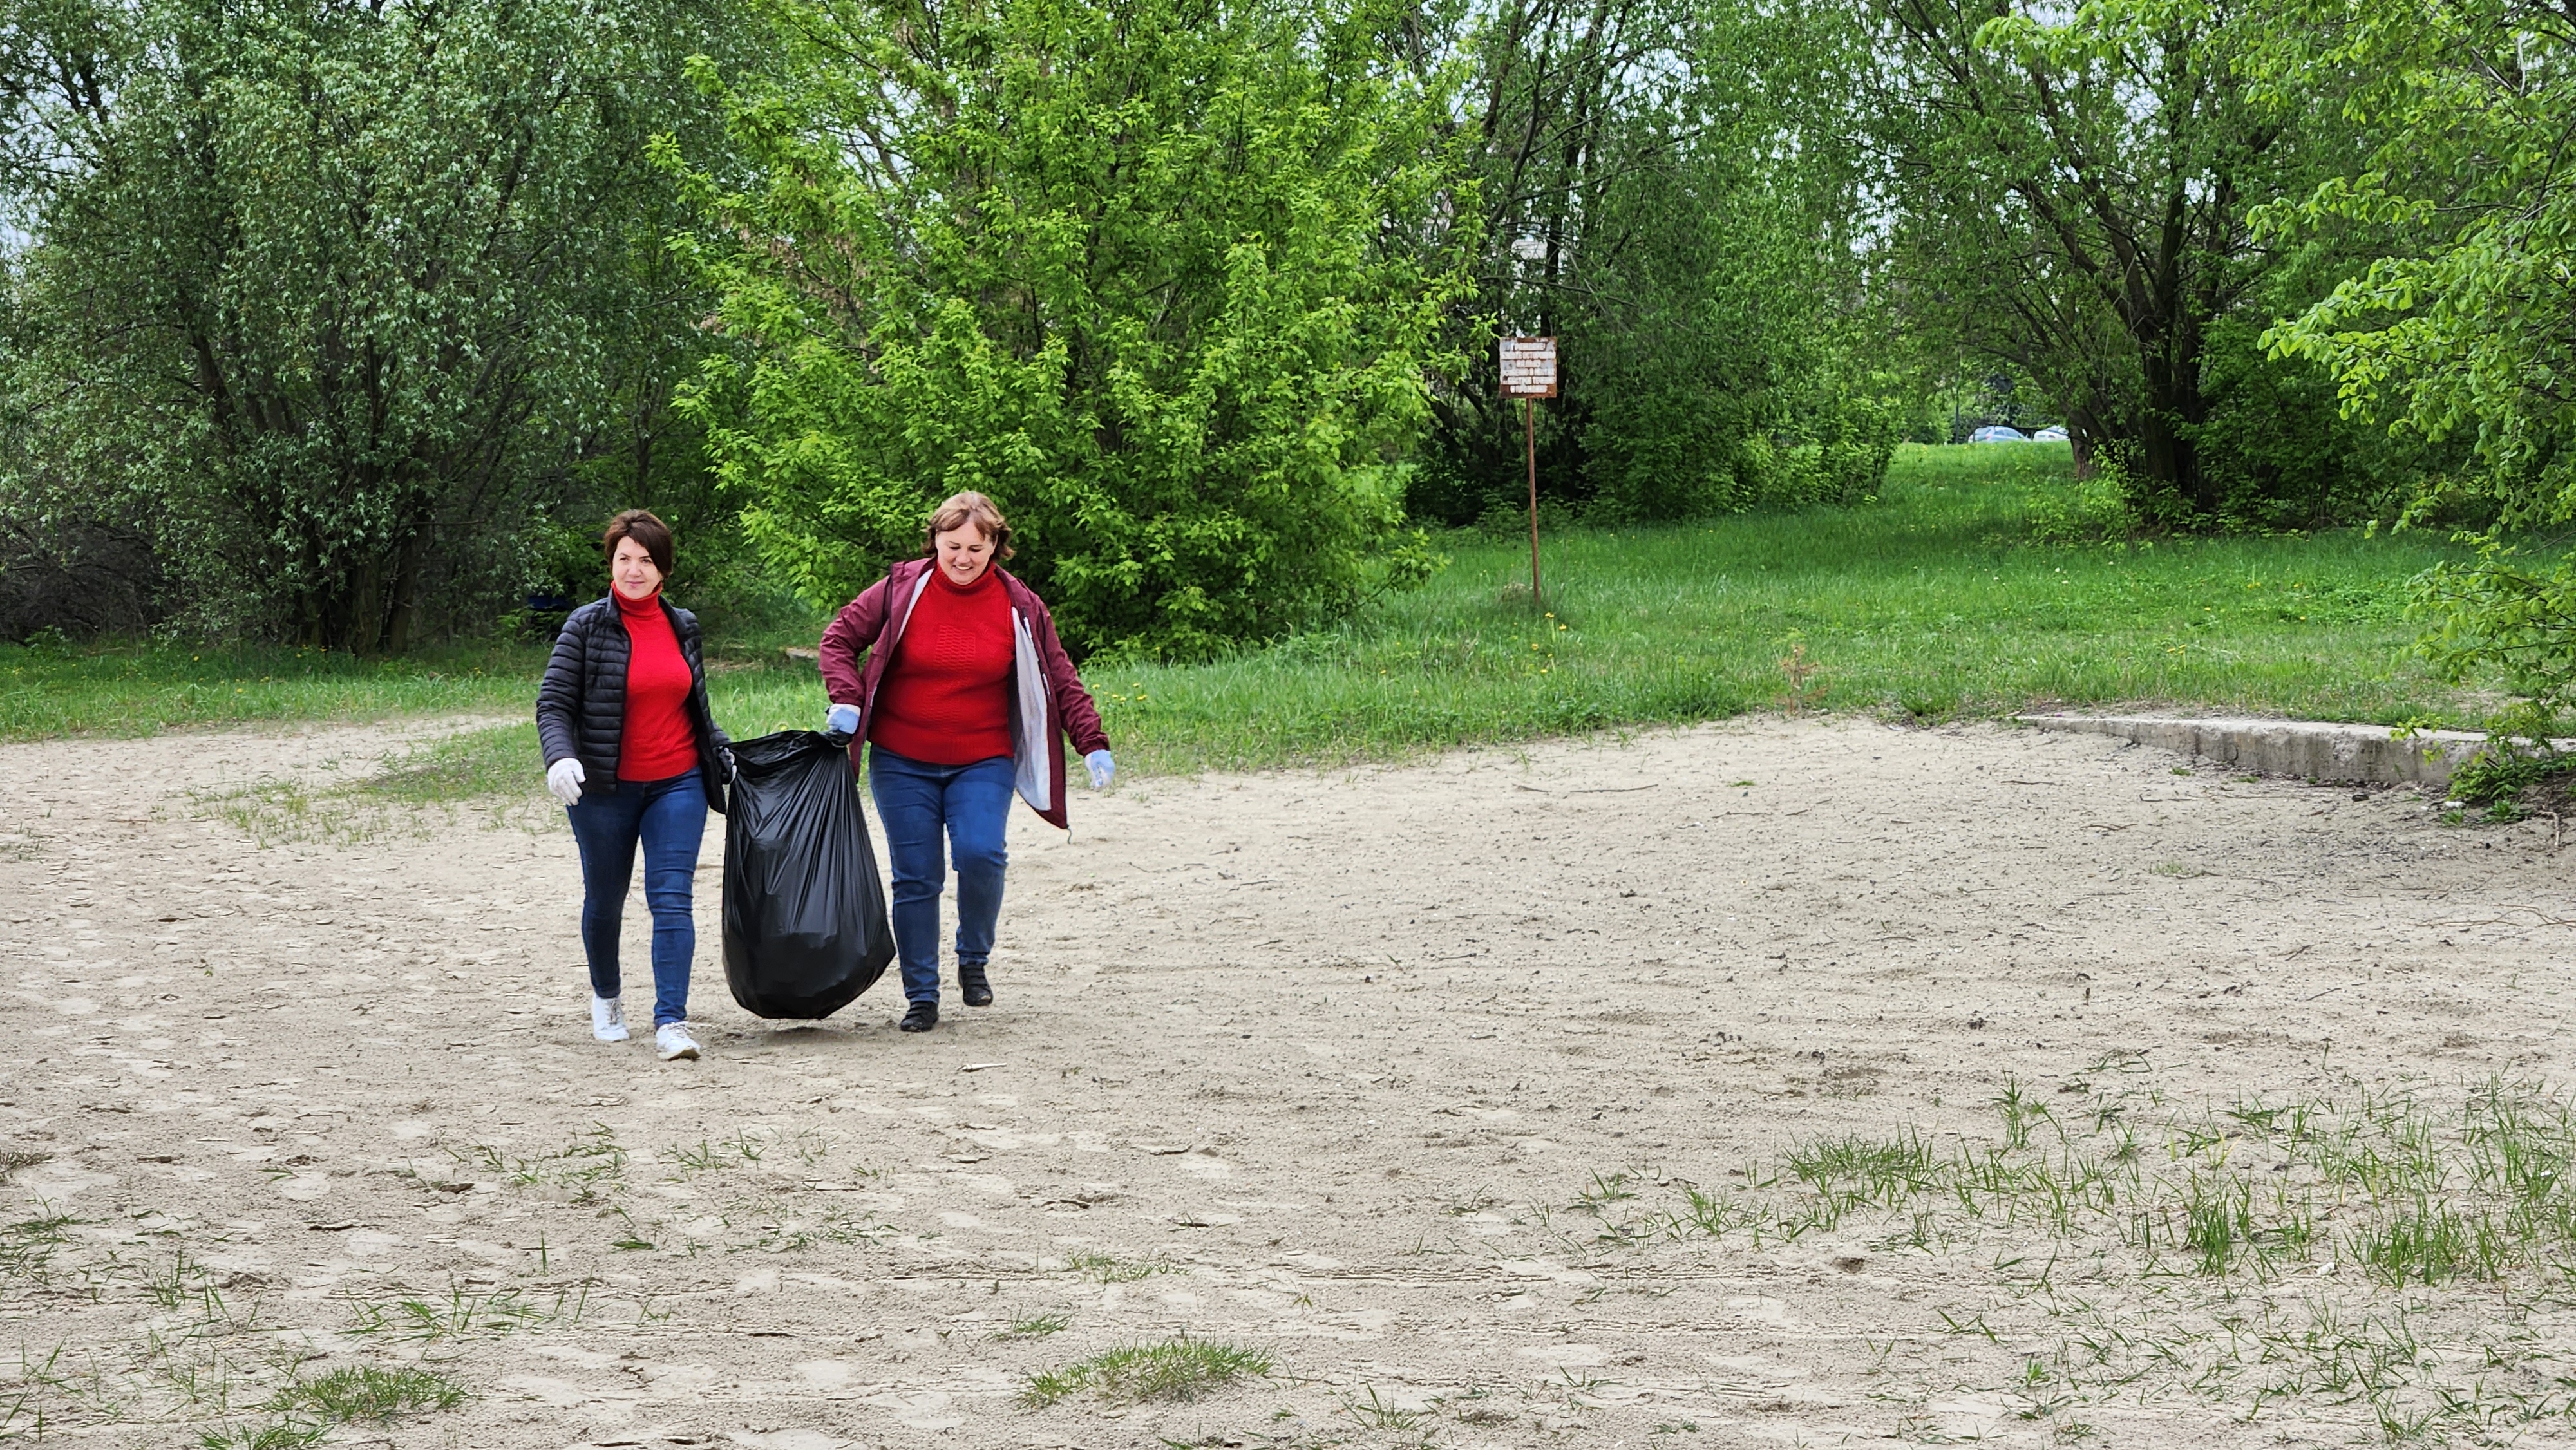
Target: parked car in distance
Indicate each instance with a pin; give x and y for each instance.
(1997, 433)
(2053, 433)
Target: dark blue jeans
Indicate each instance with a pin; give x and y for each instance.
(670, 818)
(917, 801)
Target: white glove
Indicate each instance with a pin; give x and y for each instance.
(563, 779)
(1103, 769)
(841, 720)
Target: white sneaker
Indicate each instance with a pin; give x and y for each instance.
(673, 1041)
(608, 1018)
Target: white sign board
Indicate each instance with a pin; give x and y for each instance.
(1529, 367)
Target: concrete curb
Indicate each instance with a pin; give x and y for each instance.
(2306, 749)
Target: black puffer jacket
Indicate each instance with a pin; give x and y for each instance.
(581, 704)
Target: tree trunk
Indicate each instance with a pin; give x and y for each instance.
(406, 592)
(2169, 425)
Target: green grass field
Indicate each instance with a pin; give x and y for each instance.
(1938, 601)
(1943, 599)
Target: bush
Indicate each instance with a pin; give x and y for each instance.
(1161, 280)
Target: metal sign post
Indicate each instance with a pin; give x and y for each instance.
(1529, 374)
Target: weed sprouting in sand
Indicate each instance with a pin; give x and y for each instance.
(585, 1170)
(1376, 1413)
(780, 1229)
(2381, 1183)
(28, 1245)
(280, 1434)
(306, 1411)
(631, 1239)
(463, 1313)
(1175, 1369)
(1607, 1189)
(745, 1149)
(1853, 1172)
(1103, 1269)
(368, 1394)
(2380, 1246)
(1034, 1326)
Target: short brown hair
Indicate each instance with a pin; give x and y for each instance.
(641, 526)
(962, 509)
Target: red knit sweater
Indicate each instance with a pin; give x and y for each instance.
(657, 743)
(946, 697)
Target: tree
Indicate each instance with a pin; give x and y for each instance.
(1161, 276)
(325, 292)
(2464, 328)
(1669, 188)
(2074, 186)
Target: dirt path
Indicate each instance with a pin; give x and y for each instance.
(1403, 1078)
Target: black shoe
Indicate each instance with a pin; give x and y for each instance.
(972, 985)
(921, 1017)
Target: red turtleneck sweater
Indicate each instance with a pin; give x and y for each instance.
(657, 743)
(946, 696)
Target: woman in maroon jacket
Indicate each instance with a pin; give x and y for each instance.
(964, 699)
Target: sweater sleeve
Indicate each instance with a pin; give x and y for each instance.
(559, 697)
(852, 632)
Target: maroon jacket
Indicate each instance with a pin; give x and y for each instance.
(1048, 701)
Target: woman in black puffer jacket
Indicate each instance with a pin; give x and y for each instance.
(634, 754)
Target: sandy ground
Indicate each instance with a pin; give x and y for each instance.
(1386, 1074)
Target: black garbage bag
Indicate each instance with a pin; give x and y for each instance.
(804, 909)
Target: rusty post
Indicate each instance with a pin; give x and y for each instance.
(1529, 441)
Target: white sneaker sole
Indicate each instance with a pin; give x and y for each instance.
(685, 1052)
(612, 1034)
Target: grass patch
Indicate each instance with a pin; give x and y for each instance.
(1176, 1369)
(307, 1411)
(365, 1394)
(2385, 1186)
(2389, 1249)
(1946, 599)
(148, 688)
(1963, 592)
(492, 772)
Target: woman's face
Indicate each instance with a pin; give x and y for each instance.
(963, 553)
(633, 571)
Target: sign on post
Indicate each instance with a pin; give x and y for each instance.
(1529, 367)
(1529, 374)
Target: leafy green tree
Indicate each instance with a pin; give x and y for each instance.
(1670, 189)
(330, 293)
(2075, 184)
(1161, 278)
(2464, 329)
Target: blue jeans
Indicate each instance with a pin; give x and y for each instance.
(670, 818)
(916, 801)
